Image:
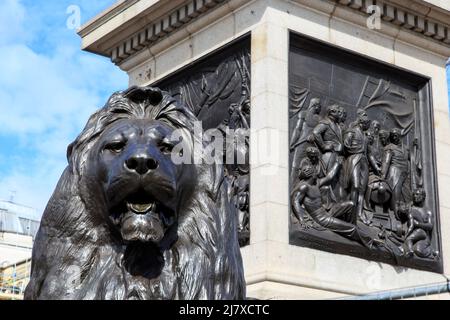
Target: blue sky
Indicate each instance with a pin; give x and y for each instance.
(48, 89)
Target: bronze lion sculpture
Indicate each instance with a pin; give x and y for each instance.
(126, 222)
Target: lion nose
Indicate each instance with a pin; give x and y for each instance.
(141, 163)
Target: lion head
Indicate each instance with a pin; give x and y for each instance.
(127, 222)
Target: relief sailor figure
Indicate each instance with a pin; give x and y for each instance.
(305, 123)
(356, 167)
(327, 136)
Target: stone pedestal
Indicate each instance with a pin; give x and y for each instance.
(151, 40)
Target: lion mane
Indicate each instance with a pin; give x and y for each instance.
(78, 255)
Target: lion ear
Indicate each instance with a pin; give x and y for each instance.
(155, 95)
(69, 151)
(140, 94)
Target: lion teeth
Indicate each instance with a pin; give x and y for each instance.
(142, 207)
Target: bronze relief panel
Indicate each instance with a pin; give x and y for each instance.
(217, 90)
(362, 173)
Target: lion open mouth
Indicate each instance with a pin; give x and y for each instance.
(140, 217)
(142, 208)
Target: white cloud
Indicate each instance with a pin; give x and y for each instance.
(46, 97)
(12, 18)
(37, 89)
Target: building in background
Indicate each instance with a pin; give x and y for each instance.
(18, 228)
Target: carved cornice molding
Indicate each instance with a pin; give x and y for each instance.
(163, 27)
(130, 26)
(407, 18)
(105, 16)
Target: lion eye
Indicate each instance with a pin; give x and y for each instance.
(115, 146)
(166, 147)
